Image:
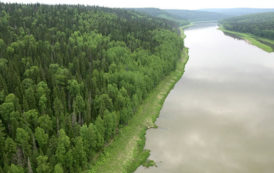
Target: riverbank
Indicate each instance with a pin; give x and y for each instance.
(187, 26)
(127, 152)
(265, 44)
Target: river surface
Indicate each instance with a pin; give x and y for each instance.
(219, 118)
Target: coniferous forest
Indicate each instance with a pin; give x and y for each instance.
(261, 24)
(71, 76)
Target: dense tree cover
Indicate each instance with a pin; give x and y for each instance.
(230, 12)
(261, 24)
(70, 76)
(183, 17)
(163, 14)
(196, 15)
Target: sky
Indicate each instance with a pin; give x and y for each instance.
(163, 4)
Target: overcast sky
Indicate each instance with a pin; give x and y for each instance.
(163, 4)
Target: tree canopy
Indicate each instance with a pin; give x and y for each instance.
(261, 24)
(70, 76)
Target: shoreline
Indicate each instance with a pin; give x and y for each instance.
(186, 26)
(251, 39)
(126, 153)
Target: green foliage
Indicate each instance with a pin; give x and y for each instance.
(15, 169)
(196, 15)
(110, 125)
(2, 141)
(149, 163)
(126, 152)
(103, 102)
(43, 165)
(73, 87)
(10, 149)
(70, 76)
(183, 17)
(99, 123)
(22, 138)
(79, 154)
(162, 14)
(5, 110)
(58, 168)
(89, 139)
(43, 103)
(78, 104)
(41, 137)
(263, 43)
(45, 122)
(261, 24)
(63, 145)
(31, 116)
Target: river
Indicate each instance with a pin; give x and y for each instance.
(219, 118)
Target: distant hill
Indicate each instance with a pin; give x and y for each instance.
(212, 14)
(237, 11)
(258, 27)
(261, 24)
(182, 16)
(196, 15)
(161, 14)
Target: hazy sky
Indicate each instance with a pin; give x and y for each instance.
(164, 4)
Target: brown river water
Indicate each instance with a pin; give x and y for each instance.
(219, 118)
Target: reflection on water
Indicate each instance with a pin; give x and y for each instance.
(219, 118)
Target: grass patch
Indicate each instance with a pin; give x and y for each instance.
(126, 153)
(263, 43)
(187, 26)
(149, 163)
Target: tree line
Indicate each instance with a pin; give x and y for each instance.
(71, 76)
(261, 24)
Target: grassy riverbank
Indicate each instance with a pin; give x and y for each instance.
(187, 26)
(126, 152)
(263, 43)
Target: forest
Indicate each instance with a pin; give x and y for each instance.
(261, 24)
(183, 17)
(196, 15)
(71, 76)
(163, 14)
(231, 12)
